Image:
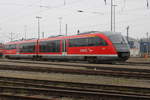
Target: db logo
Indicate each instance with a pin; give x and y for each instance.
(90, 50)
(83, 50)
(86, 50)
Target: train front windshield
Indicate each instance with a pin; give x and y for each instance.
(119, 42)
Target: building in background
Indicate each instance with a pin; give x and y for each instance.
(134, 45)
(145, 47)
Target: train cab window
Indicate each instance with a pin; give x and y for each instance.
(27, 48)
(89, 41)
(50, 46)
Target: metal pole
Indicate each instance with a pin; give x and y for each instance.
(147, 44)
(38, 25)
(60, 18)
(66, 29)
(78, 31)
(64, 2)
(128, 34)
(111, 13)
(25, 31)
(11, 36)
(114, 17)
(42, 34)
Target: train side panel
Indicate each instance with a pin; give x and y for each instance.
(21, 49)
(101, 46)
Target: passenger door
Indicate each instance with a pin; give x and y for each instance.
(64, 47)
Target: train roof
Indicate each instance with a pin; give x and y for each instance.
(67, 37)
(84, 34)
(108, 33)
(21, 41)
(89, 33)
(104, 32)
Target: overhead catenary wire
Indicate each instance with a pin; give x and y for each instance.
(19, 10)
(24, 16)
(46, 12)
(47, 8)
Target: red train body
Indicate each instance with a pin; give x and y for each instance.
(1, 49)
(92, 47)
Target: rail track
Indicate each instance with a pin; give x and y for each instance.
(106, 71)
(83, 65)
(38, 89)
(20, 88)
(134, 63)
(78, 64)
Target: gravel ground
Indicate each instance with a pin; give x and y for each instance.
(77, 78)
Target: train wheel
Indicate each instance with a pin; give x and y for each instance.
(124, 59)
(92, 60)
(38, 58)
(7, 57)
(34, 58)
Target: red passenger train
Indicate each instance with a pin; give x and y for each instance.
(94, 47)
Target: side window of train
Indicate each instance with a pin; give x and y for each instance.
(72, 42)
(96, 41)
(43, 46)
(50, 46)
(27, 48)
(6, 47)
(13, 46)
(78, 42)
(104, 43)
(89, 41)
(10, 47)
(1, 46)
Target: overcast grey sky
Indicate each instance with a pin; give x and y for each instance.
(16, 14)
